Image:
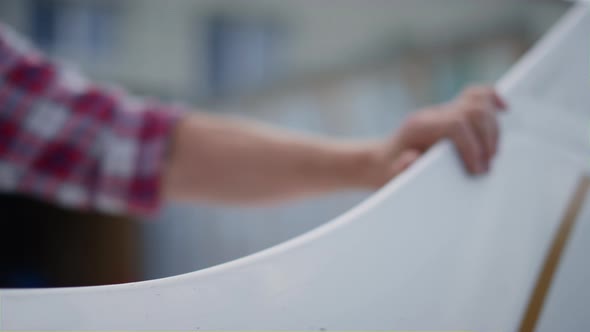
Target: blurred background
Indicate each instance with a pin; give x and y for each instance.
(346, 68)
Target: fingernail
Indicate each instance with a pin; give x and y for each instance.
(500, 102)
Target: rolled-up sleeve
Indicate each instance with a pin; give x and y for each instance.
(75, 143)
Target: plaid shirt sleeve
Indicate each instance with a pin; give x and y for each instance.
(76, 144)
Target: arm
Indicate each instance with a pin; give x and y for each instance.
(81, 145)
(228, 160)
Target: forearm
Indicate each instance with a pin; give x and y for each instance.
(228, 160)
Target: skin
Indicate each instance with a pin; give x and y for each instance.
(225, 160)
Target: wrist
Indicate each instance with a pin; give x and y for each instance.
(384, 160)
(368, 166)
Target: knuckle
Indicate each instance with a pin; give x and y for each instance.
(457, 126)
(475, 89)
(477, 112)
(413, 121)
(479, 91)
(413, 118)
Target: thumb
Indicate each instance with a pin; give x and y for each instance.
(403, 161)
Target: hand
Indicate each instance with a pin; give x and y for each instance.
(469, 121)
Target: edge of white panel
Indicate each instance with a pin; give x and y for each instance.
(515, 74)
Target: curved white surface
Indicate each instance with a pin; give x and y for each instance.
(433, 250)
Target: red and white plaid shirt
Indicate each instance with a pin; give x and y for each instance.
(67, 141)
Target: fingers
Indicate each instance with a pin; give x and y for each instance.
(476, 112)
(468, 145)
(490, 131)
(485, 94)
(499, 101)
(485, 125)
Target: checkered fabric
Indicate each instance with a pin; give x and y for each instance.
(68, 141)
